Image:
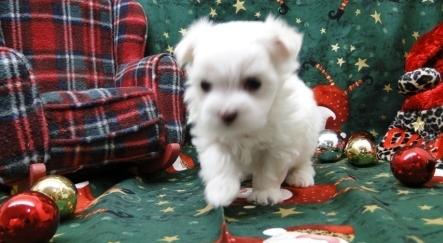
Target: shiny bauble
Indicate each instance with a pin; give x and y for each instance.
(413, 166)
(28, 217)
(61, 190)
(361, 151)
(329, 147)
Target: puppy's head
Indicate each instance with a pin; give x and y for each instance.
(235, 70)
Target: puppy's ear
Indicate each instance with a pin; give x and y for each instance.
(184, 51)
(285, 42)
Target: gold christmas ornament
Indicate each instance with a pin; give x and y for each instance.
(361, 151)
(61, 190)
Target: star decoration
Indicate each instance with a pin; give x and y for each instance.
(357, 12)
(333, 213)
(335, 47)
(182, 31)
(212, 13)
(419, 125)
(170, 49)
(382, 175)
(403, 41)
(403, 192)
(204, 210)
(239, 5)
(415, 34)
(258, 14)
(285, 212)
(387, 88)
(370, 208)
(168, 210)
(161, 196)
(162, 203)
(170, 238)
(424, 1)
(340, 61)
(166, 35)
(376, 16)
(322, 31)
(436, 221)
(298, 20)
(230, 220)
(180, 190)
(352, 48)
(218, 2)
(415, 239)
(373, 132)
(361, 63)
(425, 207)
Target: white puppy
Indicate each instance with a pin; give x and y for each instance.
(252, 115)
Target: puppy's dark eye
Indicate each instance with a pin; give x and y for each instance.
(252, 84)
(205, 86)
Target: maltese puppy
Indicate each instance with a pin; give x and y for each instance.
(251, 114)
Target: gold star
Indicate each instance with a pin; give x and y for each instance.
(387, 88)
(333, 213)
(406, 54)
(370, 208)
(204, 210)
(113, 241)
(182, 31)
(403, 192)
(218, 2)
(425, 207)
(161, 196)
(239, 5)
(340, 61)
(376, 16)
(431, 1)
(415, 239)
(436, 221)
(258, 14)
(170, 238)
(168, 210)
(374, 133)
(298, 20)
(382, 175)
(213, 13)
(162, 203)
(335, 47)
(166, 35)
(230, 220)
(285, 212)
(352, 48)
(415, 34)
(403, 41)
(323, 31)
(180, 190)
(357, 12)
(170, 49)
(361, 63)
(419, 125)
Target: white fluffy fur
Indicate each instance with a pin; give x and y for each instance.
(276, 130)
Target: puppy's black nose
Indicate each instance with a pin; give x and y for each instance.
(228, 117)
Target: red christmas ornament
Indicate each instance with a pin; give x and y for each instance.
(413, 166)
(28, 217)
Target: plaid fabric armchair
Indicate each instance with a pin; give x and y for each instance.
(76, 90)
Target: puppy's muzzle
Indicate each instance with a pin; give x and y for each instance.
(228, 117)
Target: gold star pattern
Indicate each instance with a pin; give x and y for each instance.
(162, 203)
(258, 14)
(170, 49)
(340, 61)
(403, 192)
(322, 31)
(352, 48)
(415, 34)
(436, 221)
(357, 12)
(424, 1)
(415, 238)
(182, 31)
(370, 208)
(373, 132)
(382, 175)
(166, 35)
(298, 20)
(387, 88)
(170, 238)
(425, 207)
(204, 210)
(212, 13)
(333, 213)
(218, 2)
(239, 5)
(419, 125)
(230, 220)
(335, 47)
(376, 16)
(285, 212)
(361, 63)
(168, 210)
(161, 196)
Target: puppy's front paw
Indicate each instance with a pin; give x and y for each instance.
(221, 193)
(301, 177)
(265, 197)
